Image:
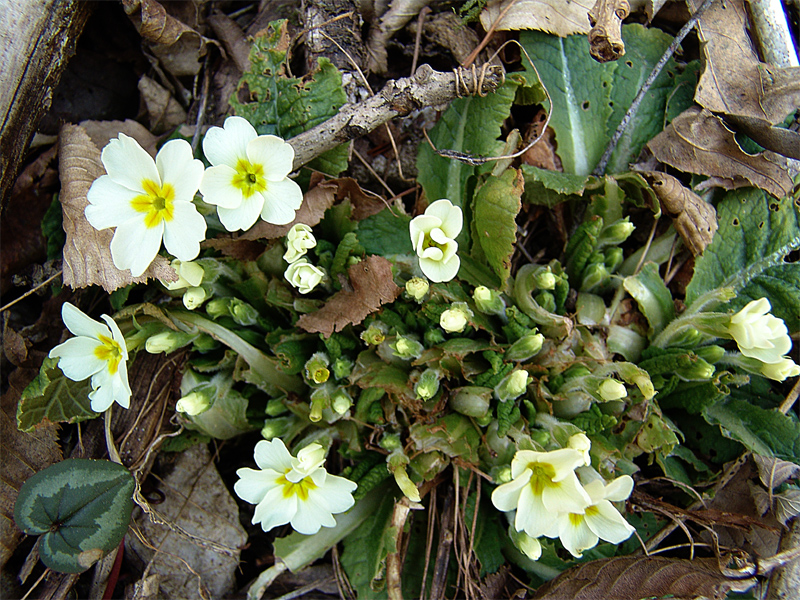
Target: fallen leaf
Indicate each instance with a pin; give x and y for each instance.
(553, 16)
(244, 250)
(787, 505)
(774, 471)
(699, 142)
(445, 29)
(163, 111)
(196, 500)
(605, 37)
(87, 253)
(694, 218)
(634, 578)
(232, 38)
(372, 286)
(778, 139)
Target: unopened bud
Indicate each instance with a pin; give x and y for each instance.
(699, 369)
(194, 403)
(546, 300)
(488, 301)
(711, 354)
(525, 347)
(405, 484)
(455, 318)
(582, 444)
(616, 233)
(428, 384)
(417, 287)
(407, 348)
(375, 334)
(472, 401)
(503, 475)
(190, 274)
(194, 297)
(595, 276)
(341, 402)
(611, 389)
(512, 386)
(168, 341)
(218, 307)
(243, 313)
(545, 279)
(614, 257)
(299, 240)
(342, 367)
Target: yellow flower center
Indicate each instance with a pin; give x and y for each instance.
(157, 203)
(592, 510)
(299, 489)
(249, 178)
(541, 477)
(429, 243)
(109, 351)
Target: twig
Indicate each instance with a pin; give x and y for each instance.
(398, 98)
(31, 291)
(420, 24)
(474, 54)
(394, 560)
(374, 173)
(791, 398)
(634, 107)
(302, 591)
(201, 109)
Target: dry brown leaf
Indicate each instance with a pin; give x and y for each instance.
(773, 471)
(605, 37)
(694, 218)
(244, 250)
(372, 286)
(232, 38)
(163, 111)
(87, 253)
(787, 505)
(778, 139)
(399, 14)
(634, 578)
(197, 501)
(23, 455)
(446, 29)
(699, 142)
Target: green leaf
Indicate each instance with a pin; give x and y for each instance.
(477, 273)
(287, 106)
(470, 125)
(653, 297)
(762, 431)
(53, 398)
(80, 507)
(497, 203)
(580, 91)
(385, 234)
(52, 229)
(548, 188)
(365, 550)
(755, 233)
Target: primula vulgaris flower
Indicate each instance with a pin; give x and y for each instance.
(293, 490)
(303, 275)
(579, 531)
(543, 483)
(759, 334)
(249, 176)
(433, 237)
(190, 276)
(147, 201)
(98, 352)
(780, 370)
(298, 241)
(455, 318)
(611, 389)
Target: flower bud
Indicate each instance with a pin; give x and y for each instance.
(472, 401)
(455, 318)
(759, 334)
(645, 386)
(595, 276)
(525, 347)
(503, 475)
(616, 233)
(545, 279)
(218, 307)
(242, 312)
(195, 402)
(342, 367)
(275, 427)
(613, 258)
(407, 348)
(194, 297)
(341, 401)
(712, 354)
(392, 443)
(303, 275)
(190, 274)
(697, 370)
(512, 386)
(582, 444)
(489, 302)
(168, 341)
(546, 300)
(316, 368)
(320, 400)
(433, 336)
(405, 484)
(529, 546)
(428, 384)
(780, 370)
(417, 287)
(299, 240)
(611, 389)
(375, 334)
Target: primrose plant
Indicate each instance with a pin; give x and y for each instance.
(390, 360)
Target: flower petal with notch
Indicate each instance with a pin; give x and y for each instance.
(296, 490)
(249, 176)
(433, 237)
(303, 275)
(759, 334)
(147, 201)
(98, 351)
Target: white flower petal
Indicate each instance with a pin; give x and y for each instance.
(275, 509)
(128, 163)
(134, 245)
(79, 323)
(619, 489)
(281, 200)
(506, 496)
(77, 358)
(116, 335)
(532, 516)
(218, 189)
(273, 455)
(606, 522)
(109, 204)
(576, 536)
(227, 144)
(310, 517)
(337, 493)
(450, 217)
(564, 461)
(101, 398)
(183, 234)
(439, 272)
(566, 495)
(109, 388)
(253, 485)
(244, 216)
(178, 166)
(273, 154)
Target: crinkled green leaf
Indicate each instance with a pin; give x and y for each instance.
(80, 507)
(755, 233)
(762, 431)
(470, 125)
(455, 435)
(477, 273)
(287, 106)
(53, 398)
(365, 550)
(580, 91)
(652, 295)
(385, 233)
(548, 188)
(497, 203)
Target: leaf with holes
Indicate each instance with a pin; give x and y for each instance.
(80, 507)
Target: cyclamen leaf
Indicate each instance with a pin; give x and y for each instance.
(53, 398)
(82, 509)
(755, 233)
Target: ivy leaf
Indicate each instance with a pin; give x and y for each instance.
(53, 398)
(497, 203)
(653, 297)
(580, 91)
(470, 125)
(755, 233)
(80, 507)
